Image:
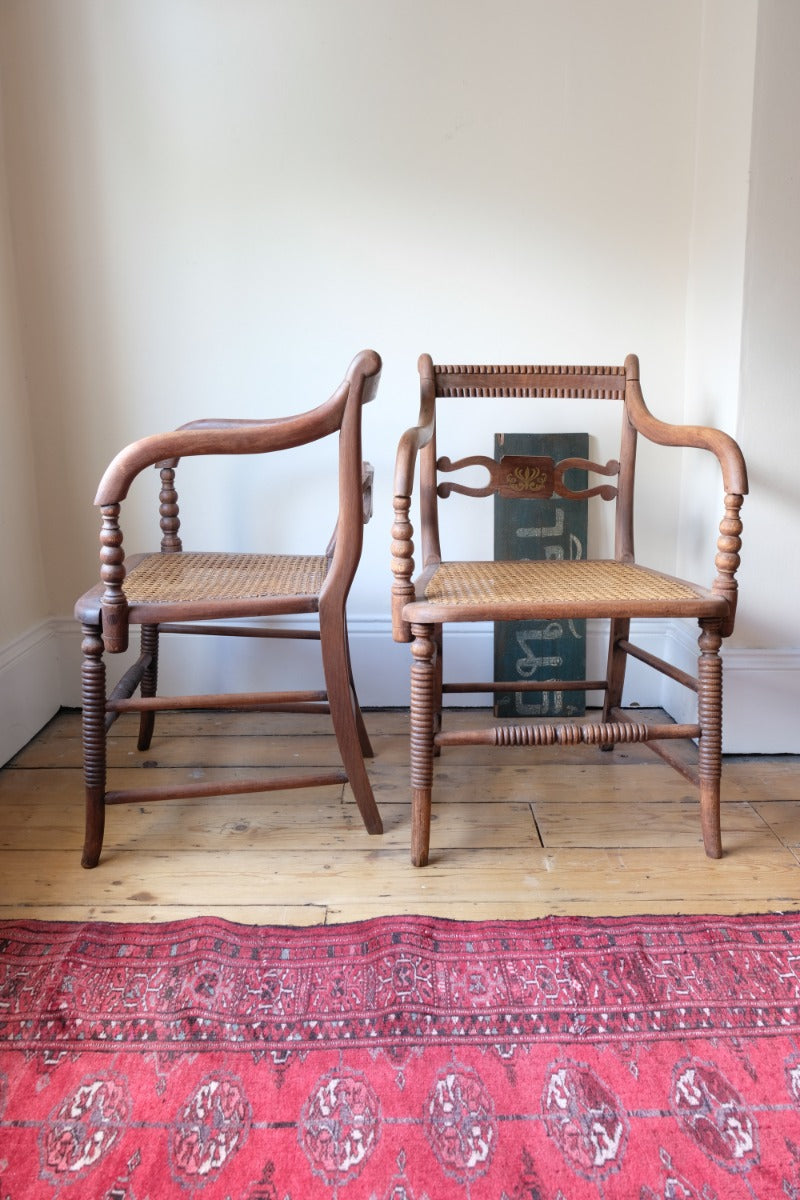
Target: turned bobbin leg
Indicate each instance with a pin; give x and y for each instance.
(423, 685)
(149, 684)
(93, 694)
(709, 715)
(438, 682)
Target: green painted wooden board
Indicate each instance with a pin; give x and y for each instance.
(535, 528)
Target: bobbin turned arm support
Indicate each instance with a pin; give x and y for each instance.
(403, 533)
(734, 479)
(411, 443)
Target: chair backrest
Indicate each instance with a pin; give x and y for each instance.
(521, 476)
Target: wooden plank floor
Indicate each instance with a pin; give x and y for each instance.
(573, 831)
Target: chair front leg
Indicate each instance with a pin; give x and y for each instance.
(423, 687)
(709, 715)
(438, 682)
(93, 695)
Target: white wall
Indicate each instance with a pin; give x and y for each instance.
(23, 590)
(770, 332)
(28, 669)
(769, 408)
(744, 301)
(210, 200)
(716, 278)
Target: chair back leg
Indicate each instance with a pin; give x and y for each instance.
(619, 629)
(348, 727)
(363, 737)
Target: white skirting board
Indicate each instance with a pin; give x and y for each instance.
(40, 672)
(30, 686)
(760, 694)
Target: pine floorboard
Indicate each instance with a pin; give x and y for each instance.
(517, 833)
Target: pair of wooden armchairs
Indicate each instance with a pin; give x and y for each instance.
(177, 591)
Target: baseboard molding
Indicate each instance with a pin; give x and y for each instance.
(760, 691)
(380, 665)
(30, 691)
(761, 687)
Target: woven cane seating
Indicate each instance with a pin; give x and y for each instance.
(176, 591)
(616, 589)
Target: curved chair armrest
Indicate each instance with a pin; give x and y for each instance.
(734, 480)
(246, 436)
(419, 435)
(409, 446)
(703, 437)
(211, 437)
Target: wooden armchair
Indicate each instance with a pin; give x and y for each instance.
(615, 588)
(172, 590)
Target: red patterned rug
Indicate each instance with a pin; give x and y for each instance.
(402, 1059)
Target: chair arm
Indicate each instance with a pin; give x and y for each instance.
(703, 437)
(216, 437)
(227, 436)
(408, 450)
(419, 435)
(734, 480)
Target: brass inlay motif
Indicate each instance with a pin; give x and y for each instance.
(526, 479)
